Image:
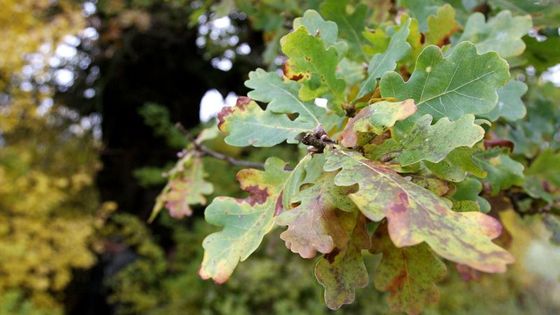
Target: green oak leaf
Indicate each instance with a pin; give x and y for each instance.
(312, 64)
(456, 165)
(376, 118)
(547, 167)
(350, 26)
(441, 26)
(317, 224)
(422, 141)
(350, 71)
(186, 187)
(462, 83)
(510, 106)
(343, 270)
(502, 33)
(282, 98)
(542, 54)
(543, 176)
(247, 124)
(415, 214)
(380, 63)
(543, 12)
(409, 274)
(245, 221)
(503, 172)
(317, 26)
(466, 196)
(422, 10)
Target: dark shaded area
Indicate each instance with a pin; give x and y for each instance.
(160, 64)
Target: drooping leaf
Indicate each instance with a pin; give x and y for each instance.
(317, 224)
(387, 61)
(503, 171)
(457, 165)
(502, 33)
(343, 270)
(462, 83)
(282, 98)
(376, 118)
(510, 106)
(312, 64)
(247, 124)
(417, 215)
(245, 221)
(409, 274)
(441, 26)
(422, 141)
(350, 26)
(186, 187)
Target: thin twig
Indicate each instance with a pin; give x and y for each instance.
(204, 150)
(220, 156)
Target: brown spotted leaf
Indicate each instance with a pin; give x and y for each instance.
(245, 221)
(343, 270)
(417, 215)
(376, 118)
(186, 187)
(409, 274)
(247, 124)
(317, 224)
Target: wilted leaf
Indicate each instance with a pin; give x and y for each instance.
(387, 61)
(317, 223)
(502, 33)
(417, 215)
(245, 221)
(376, 118)
(462, 83)
(409, 274)
(186, 187)
(343, 270)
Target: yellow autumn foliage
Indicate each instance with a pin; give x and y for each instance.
(48, 202)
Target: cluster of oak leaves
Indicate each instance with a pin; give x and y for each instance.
(398, 157)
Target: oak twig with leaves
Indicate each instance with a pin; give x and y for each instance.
(396, 163)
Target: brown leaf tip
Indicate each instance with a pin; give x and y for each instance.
(242, 101)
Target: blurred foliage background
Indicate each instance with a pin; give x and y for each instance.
(90, 94)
